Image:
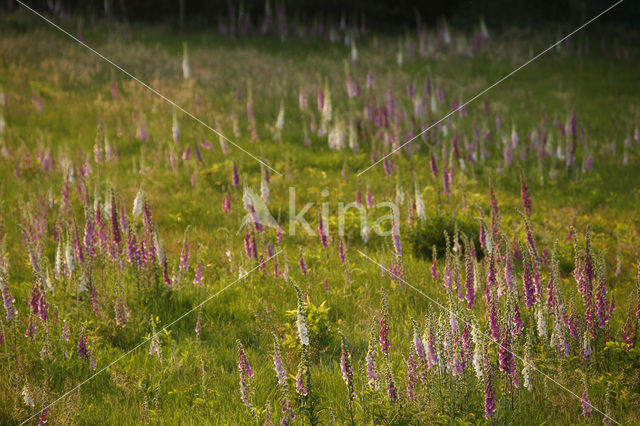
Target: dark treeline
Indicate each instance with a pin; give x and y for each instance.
(395, 15)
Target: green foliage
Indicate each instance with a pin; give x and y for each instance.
(424, 234)
(318, 326)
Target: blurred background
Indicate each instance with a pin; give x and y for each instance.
(393, 16)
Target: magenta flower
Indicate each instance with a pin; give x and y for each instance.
(392, 392)
(418, 346)
(235, 179)
(412, 374)
(369, 198)
(446, 181)
(517, 320)
(245, 374)
(8, 301)
(165, 272)
(43, 417)
(83, 351)
(281, 372)
(321, 231)
(346, 368)
(433, 165)
(493, 319)
(303, 267)
(300, 385)
(384, 335)
(489, 399)
(247, 245)
(133, 255)
(469, 277)
(226, 203)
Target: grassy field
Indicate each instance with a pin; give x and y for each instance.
(92, 164)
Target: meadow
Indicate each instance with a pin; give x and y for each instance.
(505, 291)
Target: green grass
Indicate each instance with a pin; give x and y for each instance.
(74, 87)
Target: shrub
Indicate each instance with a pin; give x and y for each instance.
(424, 234)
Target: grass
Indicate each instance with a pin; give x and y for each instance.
(196, 379)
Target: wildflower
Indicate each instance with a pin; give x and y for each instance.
(528, 364)
(418, 345)
(372, 374)
(517, 323)
(369, 198)
(300, 384)
(493, 319)
(541, 322)
(184, 256)
(478, 352)
(412, 373)
(43, 417)
(586, 346)
(175, 128)
(469, 277)
(601, 297)
(115, 228)
(89, 238)
(197, 279)
(370, 79)
(138, 203)
(301, 320)
(397, 244)
(226, 203)
(506, 360)
(489, 398)
(325, 104)
(321, 231)
(198, 328)
(279, 123)
(235, 178)
(121, 311)
(303, 267)
(392, 392)
(27, 397)
(165, 272)
(433, 165)
(245, 374)
(83, 351)
(264, 185)
(346, 368)
(420, 207)
(186, 69)
(446, 181)
(281, 374)
(527, 283)
(132, 248)
(384, 327)
(8, 300)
